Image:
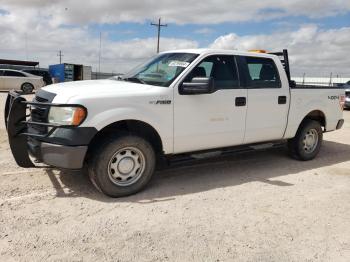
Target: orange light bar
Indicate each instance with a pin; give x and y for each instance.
(258, 51)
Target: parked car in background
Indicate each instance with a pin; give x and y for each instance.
(347, 94)
(40, 72)
(18, 80)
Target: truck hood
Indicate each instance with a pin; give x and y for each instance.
(95, 88)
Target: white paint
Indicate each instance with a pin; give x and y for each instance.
(200, 122)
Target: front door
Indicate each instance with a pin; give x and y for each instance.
(211, 120)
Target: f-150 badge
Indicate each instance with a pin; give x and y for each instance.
(161, 102)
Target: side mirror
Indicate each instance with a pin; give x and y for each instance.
(198, 86)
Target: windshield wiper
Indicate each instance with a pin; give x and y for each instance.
(135, 80)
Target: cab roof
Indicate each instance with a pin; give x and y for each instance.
(203, 51)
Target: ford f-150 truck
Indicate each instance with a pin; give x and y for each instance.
(183, 103)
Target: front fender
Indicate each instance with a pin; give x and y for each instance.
(160, 121)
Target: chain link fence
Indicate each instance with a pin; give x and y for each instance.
(326, 80)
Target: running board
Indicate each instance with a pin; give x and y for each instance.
(207, 154)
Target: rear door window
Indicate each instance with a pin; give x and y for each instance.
(262, 73)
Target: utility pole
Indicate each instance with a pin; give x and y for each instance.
(99, 55)
(26, 42)
(60, 55)
(159, 25)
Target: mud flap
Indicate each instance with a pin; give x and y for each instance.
(15, 113)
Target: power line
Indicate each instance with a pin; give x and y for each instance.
(60, 55)
(159, 25)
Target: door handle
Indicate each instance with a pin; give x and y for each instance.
(240, 101)
(282, 100)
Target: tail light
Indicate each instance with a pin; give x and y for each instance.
(342, 101)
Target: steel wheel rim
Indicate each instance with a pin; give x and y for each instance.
(310, 141)
(126, 166)
(27, 88)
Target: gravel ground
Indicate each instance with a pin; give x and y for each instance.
(260, 206)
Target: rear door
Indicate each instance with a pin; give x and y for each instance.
(268, 100)
(211, 120)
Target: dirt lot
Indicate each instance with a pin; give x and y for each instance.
(260, 206)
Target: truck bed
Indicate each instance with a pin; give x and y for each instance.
(323, 100)
(303, 86)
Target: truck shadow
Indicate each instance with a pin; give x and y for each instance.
(204, 175)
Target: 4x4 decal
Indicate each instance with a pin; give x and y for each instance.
(333, 97)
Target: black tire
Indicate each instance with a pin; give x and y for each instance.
(27, 88)
(299, 147)
(101, 165)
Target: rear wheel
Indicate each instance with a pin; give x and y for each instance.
(27, 88)
(122, 166)
(307, 142)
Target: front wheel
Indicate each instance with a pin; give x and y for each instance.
(122, 166)
(307, 142)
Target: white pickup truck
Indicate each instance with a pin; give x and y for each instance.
(183, 103)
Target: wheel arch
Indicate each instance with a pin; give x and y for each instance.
(316, 115)
(129, 126)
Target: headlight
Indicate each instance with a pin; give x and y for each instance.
(69, 116)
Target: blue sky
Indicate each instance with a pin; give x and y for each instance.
(38, 29)
(127, 31)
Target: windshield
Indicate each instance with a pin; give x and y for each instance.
(161, 70)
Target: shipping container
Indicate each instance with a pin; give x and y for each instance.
(70, 72)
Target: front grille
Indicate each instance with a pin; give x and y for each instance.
(39, 114)
(40, 99)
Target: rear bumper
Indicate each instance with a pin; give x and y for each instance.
(62, 146)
